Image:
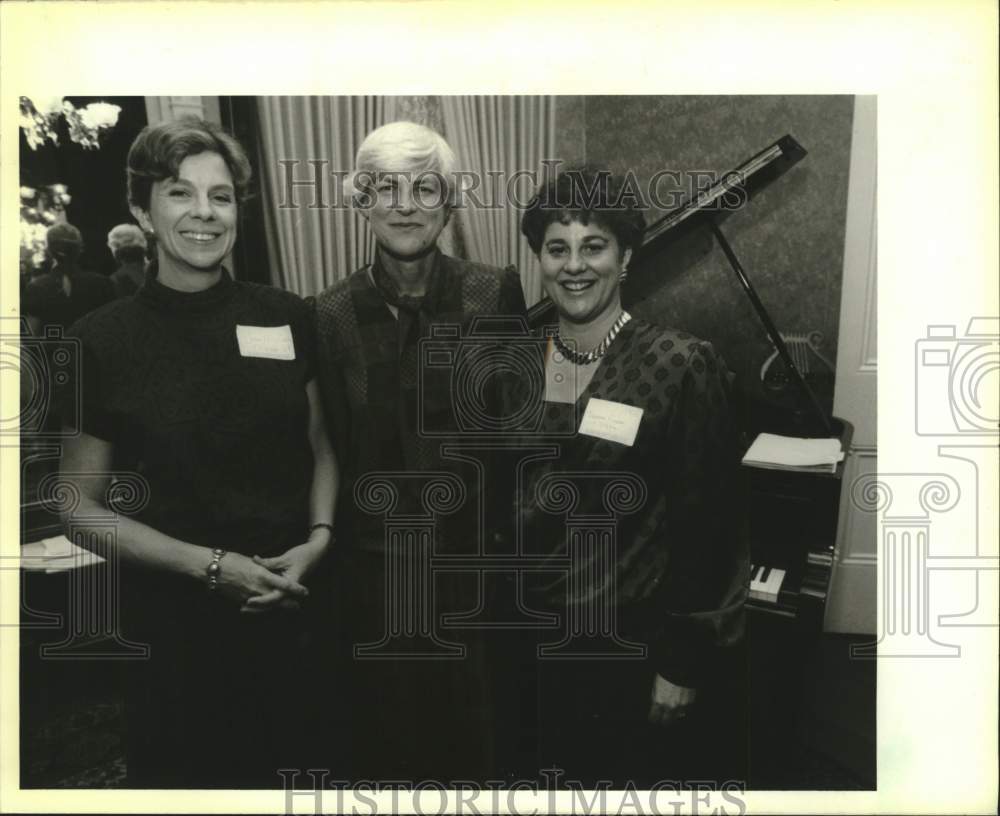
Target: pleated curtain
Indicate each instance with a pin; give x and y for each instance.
(503, 139)
(310, 248)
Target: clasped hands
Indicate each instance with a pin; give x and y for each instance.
(264, 584)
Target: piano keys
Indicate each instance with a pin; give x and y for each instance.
(765, 582)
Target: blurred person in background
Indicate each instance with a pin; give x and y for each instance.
(65, 293)
(60, 295)
(128, 247)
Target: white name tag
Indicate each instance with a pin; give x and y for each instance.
(611, 420)
(272, 342)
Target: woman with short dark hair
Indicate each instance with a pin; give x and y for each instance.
(639, 415)
(200, 390)
(584, 193)
(158, 152)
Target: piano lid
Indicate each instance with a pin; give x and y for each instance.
(738, 185)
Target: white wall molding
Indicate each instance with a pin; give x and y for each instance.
(167, 108)
(851, 606)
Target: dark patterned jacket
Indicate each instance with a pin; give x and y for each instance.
(397, 391)
(678, 575)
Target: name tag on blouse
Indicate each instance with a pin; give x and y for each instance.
(271, 342)
(613, 421)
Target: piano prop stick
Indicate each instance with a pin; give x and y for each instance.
(772, 331)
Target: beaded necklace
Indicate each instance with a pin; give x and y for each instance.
(587, 357)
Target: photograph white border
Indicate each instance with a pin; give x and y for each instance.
(933, 67)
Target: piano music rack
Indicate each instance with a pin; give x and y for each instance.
(793, 519)
(793, 526)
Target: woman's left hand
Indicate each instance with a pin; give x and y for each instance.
(296, 564)
(669, 702)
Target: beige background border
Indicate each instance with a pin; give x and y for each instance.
(933, 66)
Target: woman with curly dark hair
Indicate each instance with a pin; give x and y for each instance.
(632, 512)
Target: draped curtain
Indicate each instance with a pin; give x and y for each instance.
(501, 139)
(310, 247)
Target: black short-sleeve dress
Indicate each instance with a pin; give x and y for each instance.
(203, 396)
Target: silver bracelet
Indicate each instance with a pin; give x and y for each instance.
(214, 569)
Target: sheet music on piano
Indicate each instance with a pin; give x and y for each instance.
(794, 453)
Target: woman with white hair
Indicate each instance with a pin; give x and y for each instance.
(128, 247)
(389, 412)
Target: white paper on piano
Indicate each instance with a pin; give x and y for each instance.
(794, 453)
(56, 555)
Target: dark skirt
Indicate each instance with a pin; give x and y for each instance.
(416, 709)
(225, 699)
(588, 719)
